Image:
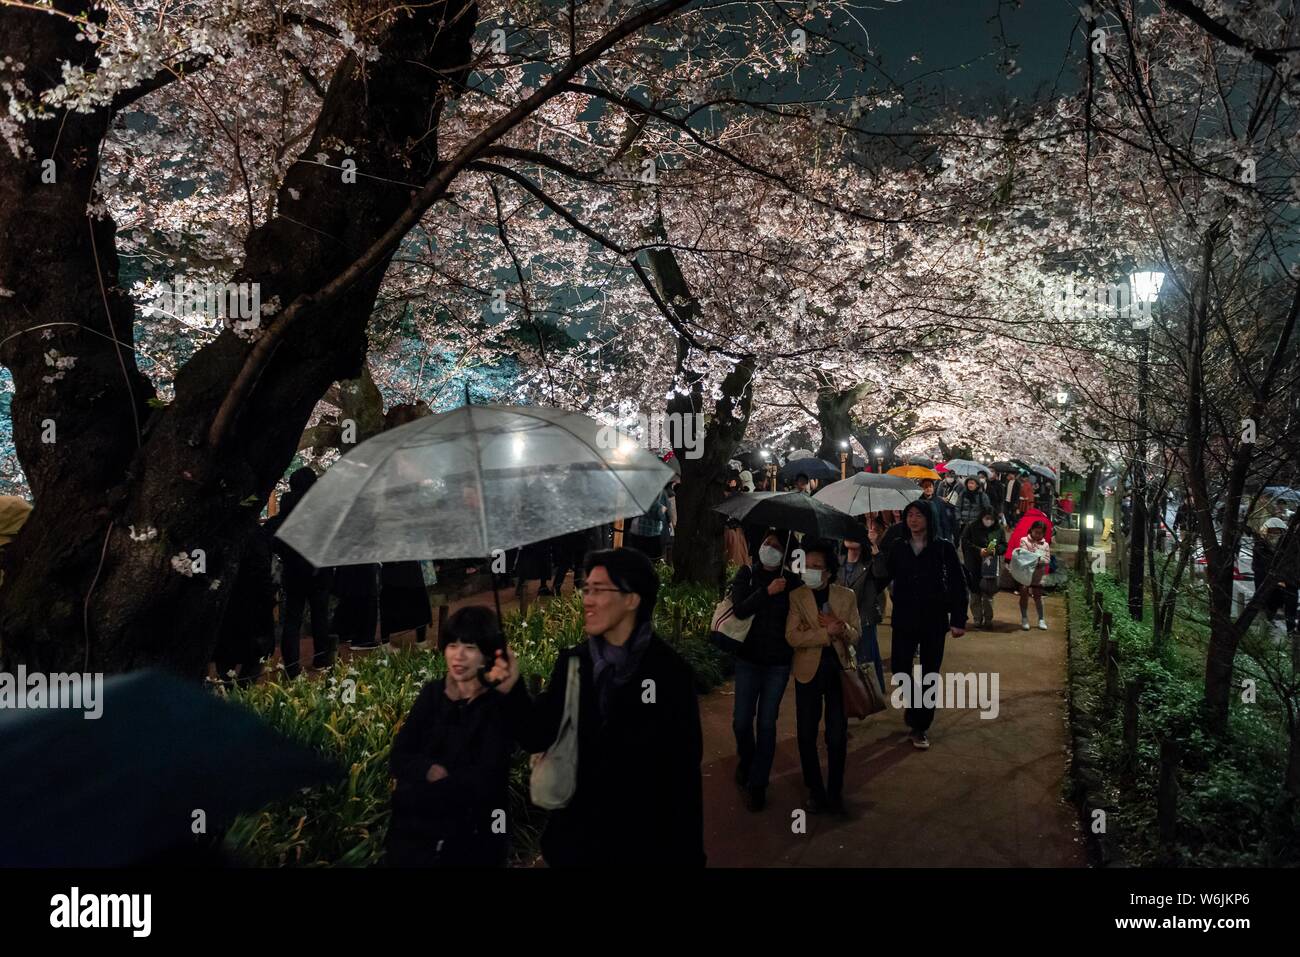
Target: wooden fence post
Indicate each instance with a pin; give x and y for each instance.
(1129, 762)
(1103, 636)
(1112, 671)
(1098, 607)
(1089, 586)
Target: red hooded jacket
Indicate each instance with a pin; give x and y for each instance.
(1022, 528)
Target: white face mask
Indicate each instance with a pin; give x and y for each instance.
(812, 577)
(769, 556)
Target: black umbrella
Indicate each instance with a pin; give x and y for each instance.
(1006, 467)
(792, 511)
(814, 468)
(124, 787)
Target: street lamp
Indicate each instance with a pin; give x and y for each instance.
(1145, 289)
(844, 459)
(879, 453)
(1063, 397)
(770, 467)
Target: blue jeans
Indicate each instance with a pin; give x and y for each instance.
(869, 650)
(759, 689)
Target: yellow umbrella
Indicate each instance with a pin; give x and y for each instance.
(914, 472)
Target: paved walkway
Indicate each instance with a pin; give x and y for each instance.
(988, 793)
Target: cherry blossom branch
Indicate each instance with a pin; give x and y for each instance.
(260, 355)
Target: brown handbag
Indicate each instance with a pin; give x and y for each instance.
(862, 694)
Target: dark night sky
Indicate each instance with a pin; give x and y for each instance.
(949, 33)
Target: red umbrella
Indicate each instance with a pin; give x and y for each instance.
(940, 467)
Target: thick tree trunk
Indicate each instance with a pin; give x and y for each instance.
(81, 588)
(698, 554)
(835, 417)
(1222, 649)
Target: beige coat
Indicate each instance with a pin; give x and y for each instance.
(807, 637)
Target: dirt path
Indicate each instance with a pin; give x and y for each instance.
(988, 793)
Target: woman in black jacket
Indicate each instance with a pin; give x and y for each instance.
(639, 798)
(761, 593)
(982, 542)
(929, 592)
(451, 759)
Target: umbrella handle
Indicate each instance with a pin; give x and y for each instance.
(496, 598)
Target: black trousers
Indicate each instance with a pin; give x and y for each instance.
(905, 643)
(315, 595)
(824, 694)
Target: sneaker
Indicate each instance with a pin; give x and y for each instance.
(1024, 624)
(921, 741)
(1042, 623)
(755, 799)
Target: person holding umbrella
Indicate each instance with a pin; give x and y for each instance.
(823, 621)
(929, 592)
(639, 796)
(451, 758)
(761, 593)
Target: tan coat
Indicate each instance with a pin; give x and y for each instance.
(807, 637)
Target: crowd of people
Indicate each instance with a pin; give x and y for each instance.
(814, 609)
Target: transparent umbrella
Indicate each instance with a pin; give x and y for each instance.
(470, 482)
(869, 492)
(966, 467)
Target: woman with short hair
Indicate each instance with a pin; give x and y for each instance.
(823, 622)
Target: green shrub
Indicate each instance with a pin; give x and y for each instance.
(1231, 807)
(345, 823)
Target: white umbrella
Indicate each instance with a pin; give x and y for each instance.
(468, 482)
(967, 467)
(869, 492)
(799, 454)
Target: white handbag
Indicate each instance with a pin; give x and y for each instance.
(555, 774)
(726, 624)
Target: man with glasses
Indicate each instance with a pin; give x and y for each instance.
(639, 797)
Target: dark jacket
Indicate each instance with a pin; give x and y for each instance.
(863, 583)
(298, 574)
(765, 644)
(639, 801)
(970, 505)
(451, 822)
(976, 537)
(946, 518)
(248, 628)
(929, 589)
